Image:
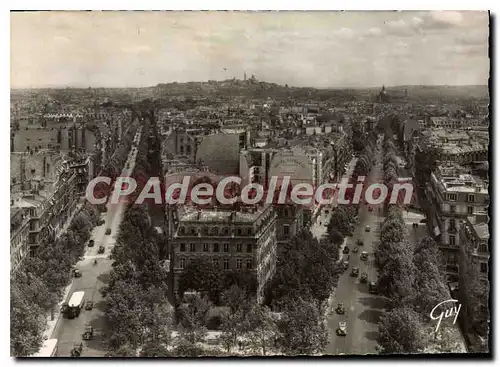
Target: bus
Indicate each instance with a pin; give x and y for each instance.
(49, 349)
(75, 304)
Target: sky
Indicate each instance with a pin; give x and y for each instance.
(314, 49)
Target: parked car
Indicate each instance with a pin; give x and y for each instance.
(364, 256)
(367, 229)
(346, 250)
(89, 332)
(108, 231)
(364, 278)
(342, 329)
(89, 305)
(77, 273)
(354, 272)
(91, 243)
(372, 287)
(340, 309)
(64, 307)
(359, 243)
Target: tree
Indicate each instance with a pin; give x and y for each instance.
(202, 275)
(155, 350)
(27, 325)
(193, 316)
(335, 236)
(262, 328)
(302, 330)
(235, 298)
(232, 326)
(339, 220)
(426, 163)
(399, 332)
(123, 312)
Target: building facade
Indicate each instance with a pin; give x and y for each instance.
(243, 239)
(454, 196)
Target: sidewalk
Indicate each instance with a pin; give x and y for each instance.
(51, 324)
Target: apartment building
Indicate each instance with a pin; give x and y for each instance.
(19, 233)
(232, 239)
(454, 195)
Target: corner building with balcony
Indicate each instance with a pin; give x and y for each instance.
(455, 196)
(242, 239)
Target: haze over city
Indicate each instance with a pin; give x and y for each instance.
(314, 49)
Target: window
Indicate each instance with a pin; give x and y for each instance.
(225, 231)
(285, 213)
(249, 264)
(226, 247)
(215, 231)
(483, 267)
(452, 224)
(193, 230)
(452, 197)
(215, 261)
(32, 226)
(192, 247)
(183, 247)
(249, 247)
(483, 247)
(205, 247)
(452, 240)
(239, 247)
(239, 263)
(452, 208)
(470, 198)
(226, 264)
(182, 263)
(286, 230)
(216, 247)
(470, 210)
(205, 231)
(239, 231)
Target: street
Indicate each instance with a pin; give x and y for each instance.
(362, 309)
(94, 277)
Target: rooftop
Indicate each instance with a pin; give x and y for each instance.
(248, 215)
(482, 231)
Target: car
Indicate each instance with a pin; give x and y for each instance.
(101, 250)
(108, 231)
(100, 222)
(89, 332)
(91, 243)
(372, 287)
(355, 249)
(340, 309)
(359, 243)
(64, 307)
(89, 305)
(364, 278)
(363, 256)
(346, 250)
(346, 265)
(104, 291)
(354, 272)
(367, 229)
(342, 329)
(77, 273)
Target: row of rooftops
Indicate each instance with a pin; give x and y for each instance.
(456, 178)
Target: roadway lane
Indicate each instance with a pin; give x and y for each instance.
(362, 309)
(94, 277)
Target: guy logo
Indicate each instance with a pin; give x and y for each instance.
(452, 311)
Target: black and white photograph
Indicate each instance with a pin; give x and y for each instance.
(250, 184)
